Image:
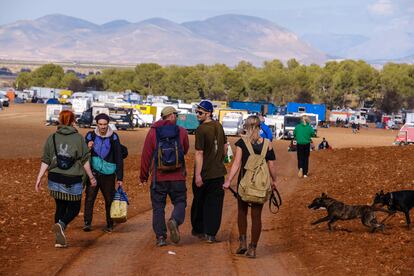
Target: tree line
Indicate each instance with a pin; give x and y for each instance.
(336, 83)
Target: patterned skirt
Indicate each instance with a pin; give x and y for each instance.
(72, 192)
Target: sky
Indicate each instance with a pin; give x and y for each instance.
(300, 16)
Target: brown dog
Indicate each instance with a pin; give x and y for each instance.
(340, 211)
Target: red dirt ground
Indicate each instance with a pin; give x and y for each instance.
(359, 166)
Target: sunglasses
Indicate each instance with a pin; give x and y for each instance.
(200, 112)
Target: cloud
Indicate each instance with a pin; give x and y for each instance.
(382, 7)
(405, 6)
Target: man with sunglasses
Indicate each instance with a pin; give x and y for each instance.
(209, 171)
(165, 181)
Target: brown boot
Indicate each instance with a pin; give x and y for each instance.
(243, 245)
(251, 252)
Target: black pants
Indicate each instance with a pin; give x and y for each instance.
(105, 183)
(66, 210)
(177, 191)
(303, 152)
(207, 206)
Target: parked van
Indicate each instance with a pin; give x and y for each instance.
(223, 112)
(88, 116)
(358, 119)
(290, 121)
(232, 123)
(80, 105)
(53, 111)
(275, 122)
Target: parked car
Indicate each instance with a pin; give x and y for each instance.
(4, 101)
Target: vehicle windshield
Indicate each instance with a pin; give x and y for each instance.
(230, 124)
(292, 121)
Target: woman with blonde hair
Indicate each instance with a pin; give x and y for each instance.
(303, 134)
(65, 157)
(252, 135)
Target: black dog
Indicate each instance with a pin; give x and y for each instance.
(401, 201)
(340, 211)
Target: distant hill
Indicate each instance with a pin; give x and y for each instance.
(224, 39)
(395, 44)
(334, 45)
(392, 44)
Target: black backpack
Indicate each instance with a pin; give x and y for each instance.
(124, 149)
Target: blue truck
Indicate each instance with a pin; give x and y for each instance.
(319, 109)
(254, 107)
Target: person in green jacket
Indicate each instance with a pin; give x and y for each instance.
(66, 158)
(303, 133)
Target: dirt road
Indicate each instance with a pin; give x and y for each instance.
(288, 245)
(130, 249)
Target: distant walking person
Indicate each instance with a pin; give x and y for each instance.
(210, 148)
(303, 133)
(252, 127)
(107, 166)
(65, 157)
(164, 150)
(354, 127)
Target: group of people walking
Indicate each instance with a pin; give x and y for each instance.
(208, 183)
(97, 161)
(71, 161)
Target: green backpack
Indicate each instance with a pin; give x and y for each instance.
(255, 186)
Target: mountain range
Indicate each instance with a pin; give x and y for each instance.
(226, 39)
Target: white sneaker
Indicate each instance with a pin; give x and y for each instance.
(57, 245)
(300, 173)
(60, 235)
(305, 175)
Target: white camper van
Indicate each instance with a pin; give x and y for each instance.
(232, 123)
(53, 111)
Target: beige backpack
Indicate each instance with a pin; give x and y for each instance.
(255, 186)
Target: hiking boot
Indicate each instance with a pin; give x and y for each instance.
(87, 227)
(251, 252)
(108, 229)
(198, 235)
(211, 239)
(161, 241)
(174, 233)
(60, 235)
(300, 173)
(243, 245)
